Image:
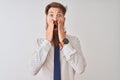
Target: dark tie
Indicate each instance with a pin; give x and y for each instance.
(57, 72)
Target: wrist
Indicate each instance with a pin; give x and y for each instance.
(61, 43)
(64, 41)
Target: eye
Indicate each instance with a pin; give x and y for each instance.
(50, 15)
(60, 15)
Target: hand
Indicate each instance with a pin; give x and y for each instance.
(61, 31)
(49, 30)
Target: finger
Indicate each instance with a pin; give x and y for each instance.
(50, 24)
(61, 22)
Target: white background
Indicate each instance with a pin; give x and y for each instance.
(95, 22)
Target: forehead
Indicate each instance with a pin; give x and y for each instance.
(55, 10)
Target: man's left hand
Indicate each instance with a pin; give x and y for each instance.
(61, 30)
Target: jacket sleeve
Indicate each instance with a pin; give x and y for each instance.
(39, 55)
(73, 54)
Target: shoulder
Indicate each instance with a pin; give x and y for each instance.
(72, 38)
(74, 41)
(40, 41)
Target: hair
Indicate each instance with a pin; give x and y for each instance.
(55, 5)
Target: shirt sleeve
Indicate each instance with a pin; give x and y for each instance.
(39, 56)
(73, 54)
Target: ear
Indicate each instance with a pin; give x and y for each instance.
(64, 25)
(64, 18)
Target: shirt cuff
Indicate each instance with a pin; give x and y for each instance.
(46, 43)
(68, 51)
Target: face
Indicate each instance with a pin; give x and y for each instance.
(54, 14)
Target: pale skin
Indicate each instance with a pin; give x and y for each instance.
(55, 14)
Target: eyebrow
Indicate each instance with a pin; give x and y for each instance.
(53, 12)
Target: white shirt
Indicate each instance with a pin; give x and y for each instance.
(71, 59)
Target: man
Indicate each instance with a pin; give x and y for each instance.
(58, 56)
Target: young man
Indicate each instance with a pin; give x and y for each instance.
(58, 56)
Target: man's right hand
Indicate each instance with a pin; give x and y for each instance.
(49, 30)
